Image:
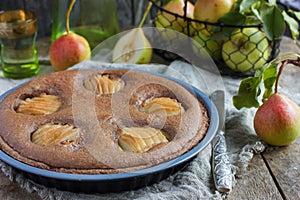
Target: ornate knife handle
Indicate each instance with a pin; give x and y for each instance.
(221, 166)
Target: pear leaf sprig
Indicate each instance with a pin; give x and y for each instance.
(266, 13)
(253, 91)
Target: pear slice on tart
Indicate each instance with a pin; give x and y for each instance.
(41, 105)
(55, 134)
(103, 84)
(140, 139)
(165, 105)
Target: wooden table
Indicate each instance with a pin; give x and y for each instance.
(275, 174)
(271, 175)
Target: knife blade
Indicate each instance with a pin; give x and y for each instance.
(222, 173)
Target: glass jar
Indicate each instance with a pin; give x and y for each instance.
(96, 20)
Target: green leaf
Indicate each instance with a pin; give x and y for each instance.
(297, 14)
(236, 6)
(245, 4)
(256, 13)
(293, 25)
(232, 18)
(248, 93)
(273, 22)
(269, 77)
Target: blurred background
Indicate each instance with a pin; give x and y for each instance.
(129, 11)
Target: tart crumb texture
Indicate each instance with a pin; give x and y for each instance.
(55, 134)
(42, 105)
(162, 105)
(140, 139)
(103, 84)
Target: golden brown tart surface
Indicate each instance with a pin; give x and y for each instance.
(92, 121)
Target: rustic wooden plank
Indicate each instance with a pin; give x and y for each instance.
(284, 163)
(256, 184)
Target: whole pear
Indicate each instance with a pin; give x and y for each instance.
(166, 20)
(246, 49)
(211, 11)
(68, 50)
(213, 47)
(277, 121)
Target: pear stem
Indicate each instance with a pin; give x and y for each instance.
(283, 64)
(68, 15)
(145, 15)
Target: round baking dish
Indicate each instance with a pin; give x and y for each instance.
(105, 183)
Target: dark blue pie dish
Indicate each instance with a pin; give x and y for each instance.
(106, 183)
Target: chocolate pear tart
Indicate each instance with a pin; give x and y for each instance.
(100, 121)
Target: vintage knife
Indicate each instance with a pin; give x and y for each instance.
(222, 173)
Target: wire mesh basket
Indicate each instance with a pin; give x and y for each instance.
(236, 50)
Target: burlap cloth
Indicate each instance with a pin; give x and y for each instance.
(195, 180)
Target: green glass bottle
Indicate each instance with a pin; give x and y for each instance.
(96, 20)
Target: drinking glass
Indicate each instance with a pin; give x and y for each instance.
(18, 31)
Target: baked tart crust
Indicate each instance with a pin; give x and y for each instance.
(100, 122)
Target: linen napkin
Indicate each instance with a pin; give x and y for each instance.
(195, 181)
